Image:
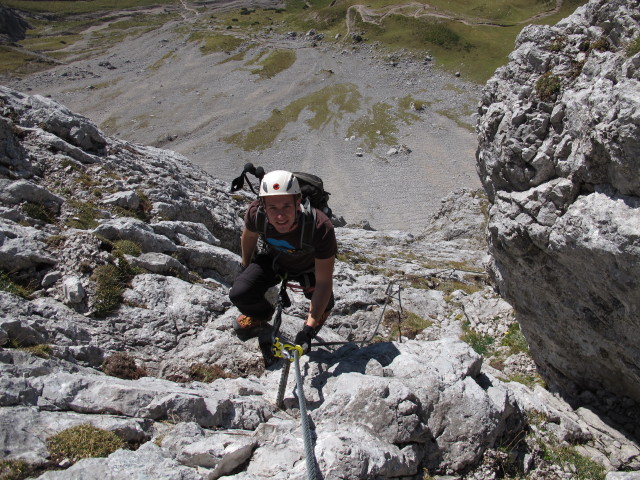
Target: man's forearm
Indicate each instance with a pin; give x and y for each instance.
(248, 242)
(319, 301)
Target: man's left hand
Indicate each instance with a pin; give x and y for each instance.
(304, 337)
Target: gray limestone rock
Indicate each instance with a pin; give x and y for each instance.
(149, 461)
(561, 172)
(136, 231)
(128, 199)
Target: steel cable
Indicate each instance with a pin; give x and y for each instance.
(306, 433)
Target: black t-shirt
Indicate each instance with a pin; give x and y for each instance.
(291, 257)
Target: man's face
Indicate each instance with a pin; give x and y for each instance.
(281, 211)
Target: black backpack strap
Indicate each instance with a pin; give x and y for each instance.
(261, 221)
(308, 225)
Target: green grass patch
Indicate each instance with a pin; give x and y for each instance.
(354, 258)
(38, 212)
(62, 7)
(455, 117)
(514, 339)
(42, 350)
(407, 324)
(583, 467)
(127, 247)
(158, 64)
(529, 380)
(482, 344)
(83, 441)
(85, 215)
(377, 127)
(213, 42)
(7, 284)
(49, 43)
(238, 57)
(277, 61)
(16, 62)
(327, 104)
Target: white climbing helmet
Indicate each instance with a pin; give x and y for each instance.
(279, 182)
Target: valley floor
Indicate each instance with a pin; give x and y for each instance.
(159, 89)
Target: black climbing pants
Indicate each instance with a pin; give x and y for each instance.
(249, 288)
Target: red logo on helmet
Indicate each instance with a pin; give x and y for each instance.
(276, 186)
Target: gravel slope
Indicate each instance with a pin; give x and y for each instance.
(196, 100)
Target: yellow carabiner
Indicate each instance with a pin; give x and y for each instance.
(290, 347)
(285, 350)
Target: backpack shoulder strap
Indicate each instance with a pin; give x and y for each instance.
(308, 225)
(261, 221)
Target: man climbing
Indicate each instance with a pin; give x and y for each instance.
(300, 243)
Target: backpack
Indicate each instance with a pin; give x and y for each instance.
(314, 196)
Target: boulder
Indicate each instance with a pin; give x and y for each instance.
(136, 231)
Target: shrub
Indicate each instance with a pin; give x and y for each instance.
(548, 86)
(122, 365)
(83, 441)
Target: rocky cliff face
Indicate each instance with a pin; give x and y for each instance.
(109, 248)
(115, 264)
(559, 156)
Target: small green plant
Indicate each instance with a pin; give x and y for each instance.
(122, 365)
(111, 281)
(39, 212)
(548, 86)
(633, 47)
(206, 373)
(479, 342)
(83, 441)
(514, 339)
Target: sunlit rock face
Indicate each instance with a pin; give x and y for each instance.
(559, 157)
